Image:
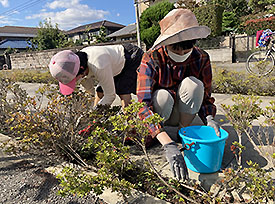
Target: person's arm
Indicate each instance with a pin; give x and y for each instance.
(106, 81)
(164, 138)
(88, 84)
(146, 81)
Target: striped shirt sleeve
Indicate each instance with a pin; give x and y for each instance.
(147, 76)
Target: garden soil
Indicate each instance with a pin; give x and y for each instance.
(25, 182)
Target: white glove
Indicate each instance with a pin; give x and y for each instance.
(212, 123)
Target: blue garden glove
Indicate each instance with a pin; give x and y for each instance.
(176, 161)
(212, 123)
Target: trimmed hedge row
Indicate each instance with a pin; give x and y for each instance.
(29, 76)
(232, 82)
(250, 27)
(227, 82)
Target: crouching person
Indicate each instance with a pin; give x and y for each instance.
(174, 80)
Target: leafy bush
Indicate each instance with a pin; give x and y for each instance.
(94, 139)
(260, 6)
(228, 82)
(253, 181)
(29, 76)
(241, 115)
(5, 106)
(211, 16)
(68, 129)
(251, 26)
(233, 82)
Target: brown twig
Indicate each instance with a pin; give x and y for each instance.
(160, 177)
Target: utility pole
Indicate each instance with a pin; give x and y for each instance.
(137, 22)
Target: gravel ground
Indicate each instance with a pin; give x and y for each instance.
(21, 182)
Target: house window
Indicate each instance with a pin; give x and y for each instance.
(128, 38)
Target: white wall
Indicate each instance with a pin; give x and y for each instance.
(220, 55)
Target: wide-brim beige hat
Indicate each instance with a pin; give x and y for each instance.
(180, 25)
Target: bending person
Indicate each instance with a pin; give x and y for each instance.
(114, 66)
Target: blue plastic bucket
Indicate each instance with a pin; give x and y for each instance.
(203, 148)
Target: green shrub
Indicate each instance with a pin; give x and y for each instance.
(251, 26)
(29, 76)
(233, 82)
(68, 129)
(211, 16)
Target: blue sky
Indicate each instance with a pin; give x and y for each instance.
(67, 14)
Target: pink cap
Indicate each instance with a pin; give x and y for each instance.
(64, 66)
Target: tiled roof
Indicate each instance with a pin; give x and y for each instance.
(128, 30)
(14, 43)
(18, 30)
(95, 25)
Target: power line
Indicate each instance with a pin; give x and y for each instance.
(12, 9)
(20, 7)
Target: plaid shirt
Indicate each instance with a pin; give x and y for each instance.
(158, 71)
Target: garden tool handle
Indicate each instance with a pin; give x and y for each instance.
(187, 146)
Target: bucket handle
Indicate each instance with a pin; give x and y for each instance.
(187, 146)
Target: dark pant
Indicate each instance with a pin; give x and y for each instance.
(126, 80)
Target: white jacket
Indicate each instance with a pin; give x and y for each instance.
(104, 62)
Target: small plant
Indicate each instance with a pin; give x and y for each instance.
(237, 150)
(41, 130)
(255, 182)
(241, 115)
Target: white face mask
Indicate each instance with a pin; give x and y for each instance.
(179, 58)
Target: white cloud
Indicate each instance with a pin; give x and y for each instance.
(5, 3)
(63, 4)
(69, 14)
(118, 14)
(7, 21)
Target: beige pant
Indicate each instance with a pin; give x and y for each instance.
(189, 99)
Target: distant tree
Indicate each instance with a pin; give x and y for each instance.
(10, 50)
(258, 6)
(149, 22)
(230, 22)
(101, 37)
(48, 37)
(187, 4)
(88, 35)
(233, 11)
(78, 42)
(238, 7)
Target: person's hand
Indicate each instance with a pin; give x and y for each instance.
(176, 161)
(212, 123)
